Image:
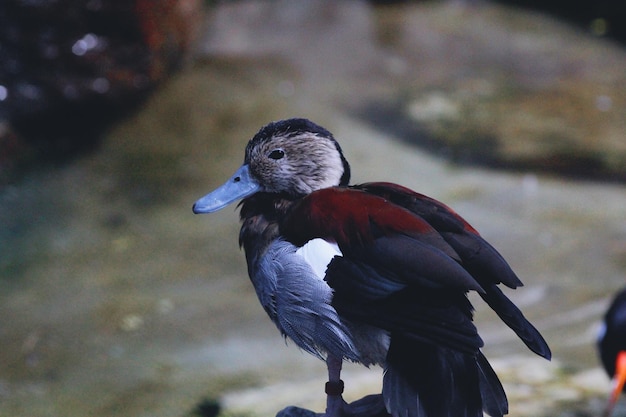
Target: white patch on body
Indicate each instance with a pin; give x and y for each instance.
(318, 253)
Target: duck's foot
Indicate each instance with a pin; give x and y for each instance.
(368, 406)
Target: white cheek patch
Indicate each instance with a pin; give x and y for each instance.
(318, 253)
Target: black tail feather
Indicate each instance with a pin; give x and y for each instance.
(493, 396)
(513, 317)
(425, 380)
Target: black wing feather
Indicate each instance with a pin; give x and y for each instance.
(477, 257)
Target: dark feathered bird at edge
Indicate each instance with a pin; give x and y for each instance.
(612, 348)
(373, 273)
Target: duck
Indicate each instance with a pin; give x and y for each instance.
(612, 347)
(372, 273)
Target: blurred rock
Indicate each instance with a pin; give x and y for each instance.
(69, 67)
(507, 89)
(473, 82)
(601, 18)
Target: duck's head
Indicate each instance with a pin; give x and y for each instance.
(293, 157)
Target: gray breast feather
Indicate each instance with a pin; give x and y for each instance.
(299, 302)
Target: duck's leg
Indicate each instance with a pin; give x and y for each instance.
(334, 387)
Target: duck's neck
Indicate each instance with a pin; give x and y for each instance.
(260, 216)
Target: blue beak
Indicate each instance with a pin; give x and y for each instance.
(239, 186)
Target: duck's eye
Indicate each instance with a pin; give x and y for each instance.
(276, 154)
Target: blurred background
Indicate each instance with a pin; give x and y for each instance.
(116, 115)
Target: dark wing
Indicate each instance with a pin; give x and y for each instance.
(384, 235)
(398, 273)
(477, 256)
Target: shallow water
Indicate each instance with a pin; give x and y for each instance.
(116, 300)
